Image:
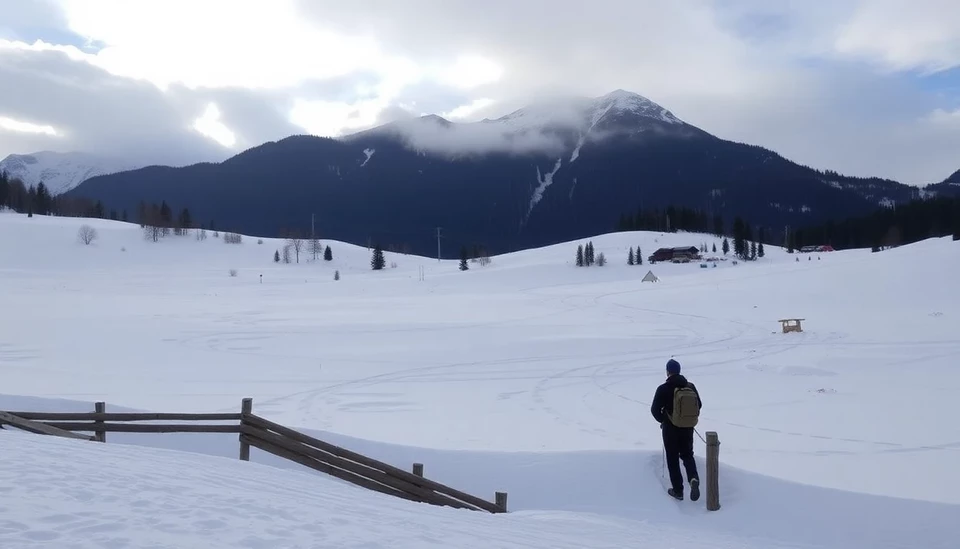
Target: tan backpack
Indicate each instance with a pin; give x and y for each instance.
(686, 408)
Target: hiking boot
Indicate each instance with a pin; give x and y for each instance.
(675, 495)
(694, 489)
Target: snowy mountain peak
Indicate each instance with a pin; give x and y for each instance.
(59, 172)
(622, 101)
(626, 109)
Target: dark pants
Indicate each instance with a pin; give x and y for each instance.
(678, 445)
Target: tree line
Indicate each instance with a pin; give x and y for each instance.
(37, 199)
(747, 243)
(887, 227)
(670, 220)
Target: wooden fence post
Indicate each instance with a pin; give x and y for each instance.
(500, 498)
(713, 471)
(100, 408)
(418, 469)
(246, 408)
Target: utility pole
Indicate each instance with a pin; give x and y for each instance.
(438, 244)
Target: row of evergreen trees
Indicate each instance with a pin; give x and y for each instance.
(745, 246)
(17, 196)
(671, 220)
(887, 227)
(586, 256)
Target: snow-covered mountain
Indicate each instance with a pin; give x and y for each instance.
(555, 170)
(60, 172)
(620, 107)
(556, 126)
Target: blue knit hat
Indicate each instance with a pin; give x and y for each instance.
(673, 366)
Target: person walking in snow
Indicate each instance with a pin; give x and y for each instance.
(676, 406)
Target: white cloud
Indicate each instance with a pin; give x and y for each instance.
(903, 34)
(210, 125)
(26, 127)
(470, 71)
(468, 111)
(216, 43)
(273, 67)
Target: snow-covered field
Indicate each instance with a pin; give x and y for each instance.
(528, 376)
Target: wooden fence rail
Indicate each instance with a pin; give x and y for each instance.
(273, 438)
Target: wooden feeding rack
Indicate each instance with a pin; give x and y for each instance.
(791, 324)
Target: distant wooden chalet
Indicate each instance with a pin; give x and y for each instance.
(812, 249)
(679, 255)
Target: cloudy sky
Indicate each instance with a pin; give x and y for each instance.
(865, 87)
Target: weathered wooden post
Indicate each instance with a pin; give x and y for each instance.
(246, 408)
(418, 469)
(500, 498)
(100, 408)
(713, 471)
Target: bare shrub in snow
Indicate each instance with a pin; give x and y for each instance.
(286, 254)
(86, 234)
(233, 272)
(232, 238)
(201, 234)
(296, 243)
(393, 264)
(259, 241)
(601, 260)
(152, 232)
(336, 275)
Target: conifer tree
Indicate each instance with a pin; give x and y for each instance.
(4, 190)
(580, 258)
(186, 221)
(630, 257)
(760, 249)
(589, 254)
(166, 217)
(276, 256)
(753, 250)
(726, 246)
(740, 248)
(328, 254)
(463, 259)
(378, 261)
(639, 256)
(714, 247)
(43, 200)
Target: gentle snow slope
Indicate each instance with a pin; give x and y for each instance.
(96, 495)
(512, 376)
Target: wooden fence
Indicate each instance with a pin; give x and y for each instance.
(273, 438)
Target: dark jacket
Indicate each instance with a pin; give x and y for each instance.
(662, 405)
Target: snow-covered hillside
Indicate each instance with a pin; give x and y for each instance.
(518, 376)
(60, 172)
